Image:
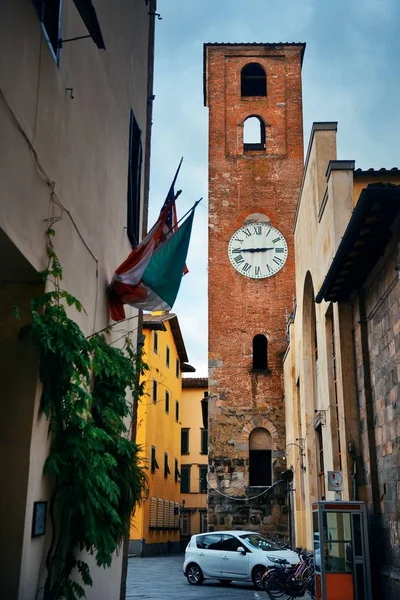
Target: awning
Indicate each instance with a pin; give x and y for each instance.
(364, 241)
(89, 17)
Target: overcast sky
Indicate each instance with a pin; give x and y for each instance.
(351, 74)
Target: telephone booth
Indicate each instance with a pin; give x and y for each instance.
(341, 552)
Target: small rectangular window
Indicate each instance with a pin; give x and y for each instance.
(185, 441)
(185, 525)
(154, 463)
(155, 342)
(177, 369)
(177, 472)
(177, 411)
(203, 521)
(134, 180)
(185, 479)
(204, 441)
(167, 353)
(260, 468)
(49, 13)
(166, 467)
(203, 480)
(166, 402)
(155, 391)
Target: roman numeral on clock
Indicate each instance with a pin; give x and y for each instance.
(257, 229)
(246, 268)
(277, 260)
(279, 250)
(236, 250)
(238, 259)
(276, 240)
(269, 269)
(257, 271)
(247, 231)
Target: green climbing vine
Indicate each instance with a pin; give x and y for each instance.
(93, 466)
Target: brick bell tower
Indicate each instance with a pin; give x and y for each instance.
(253, 92)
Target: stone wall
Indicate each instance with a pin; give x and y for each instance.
(378, 374)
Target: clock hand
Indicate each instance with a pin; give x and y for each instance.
(256, 249)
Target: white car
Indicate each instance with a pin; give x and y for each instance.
(231, 556)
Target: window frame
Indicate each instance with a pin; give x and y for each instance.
(153, 462)
(166, 466)
(155, 342)
(260, 356)
(55, 52)
(177, 411)
(177, 473)
(135, 160)
(167, 356)
(250, 146)
(203, 446)
(177, 368)
(264, 457)
(247, 81)
(155, 386)
(187, 470)
(185, 430)
(203, 479)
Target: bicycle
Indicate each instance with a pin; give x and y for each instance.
(283, 582)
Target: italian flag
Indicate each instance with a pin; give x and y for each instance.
(150, 277)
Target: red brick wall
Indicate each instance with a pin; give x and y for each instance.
(239, 308)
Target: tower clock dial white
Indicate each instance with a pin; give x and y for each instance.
(257, 250)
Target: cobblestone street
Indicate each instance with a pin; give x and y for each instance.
(161, 578)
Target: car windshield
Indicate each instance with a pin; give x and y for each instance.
(259, 542)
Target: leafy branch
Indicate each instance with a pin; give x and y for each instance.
(93, 466)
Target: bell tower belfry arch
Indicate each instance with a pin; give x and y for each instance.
(254, 181)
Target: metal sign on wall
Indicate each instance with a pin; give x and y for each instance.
(335, 481)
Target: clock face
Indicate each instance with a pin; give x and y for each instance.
(257, 250)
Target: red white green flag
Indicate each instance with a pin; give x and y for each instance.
(151, 275)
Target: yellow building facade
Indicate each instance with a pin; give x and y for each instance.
(194, 458)
(155, 525)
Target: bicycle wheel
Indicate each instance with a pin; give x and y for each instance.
(274, 585)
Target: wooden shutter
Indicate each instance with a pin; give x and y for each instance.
(160, 512)
(153, 512)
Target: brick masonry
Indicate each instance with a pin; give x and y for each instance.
(382, 301)
(263, 181)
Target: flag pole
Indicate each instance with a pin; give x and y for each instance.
(186, 214)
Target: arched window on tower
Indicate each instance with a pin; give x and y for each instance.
(260, 353)
(253, 133)
(260, 458)
(253, 80)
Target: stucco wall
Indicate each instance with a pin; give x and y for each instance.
(78, 147)
(324, 208)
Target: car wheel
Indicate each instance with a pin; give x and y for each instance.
(225, 581)
(194, 574)
(257, 575)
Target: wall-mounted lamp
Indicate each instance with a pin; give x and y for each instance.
(301, 453)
